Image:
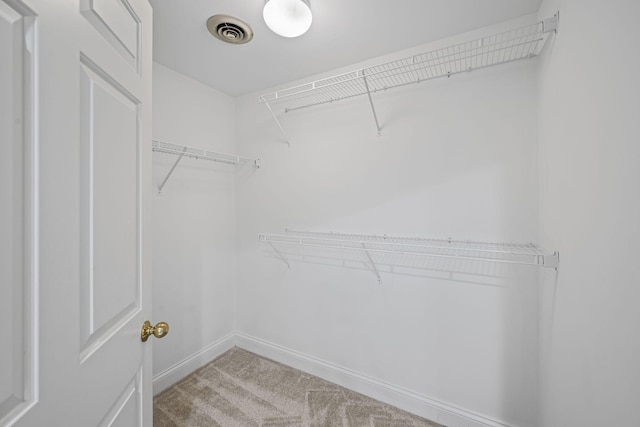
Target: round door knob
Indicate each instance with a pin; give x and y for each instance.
(160, 330)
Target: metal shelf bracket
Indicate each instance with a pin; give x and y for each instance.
(175, 164)
(551, 260)
(283, 259)
(551, 24)
(373, 264)
(373, 108)
(275, 118)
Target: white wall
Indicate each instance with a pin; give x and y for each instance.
(589, 125)
(193, 220)
(458, 158)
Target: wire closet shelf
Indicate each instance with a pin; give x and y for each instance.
(510, 253)
(197, 153)
(513, 45)
(521, 43)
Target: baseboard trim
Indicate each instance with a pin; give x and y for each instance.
(433, 409)
(175, 373)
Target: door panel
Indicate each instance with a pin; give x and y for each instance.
(17, 287)
(110, 170)
(118, 23)
(127, 409)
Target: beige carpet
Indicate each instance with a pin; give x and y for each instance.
(243, 389)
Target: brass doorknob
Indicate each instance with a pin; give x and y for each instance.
(160, 330)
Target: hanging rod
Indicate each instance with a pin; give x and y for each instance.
(509, 253)
(520, 43)
(197, 153)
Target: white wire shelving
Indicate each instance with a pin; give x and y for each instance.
(520, 43)
(509, 253)
(198, 153)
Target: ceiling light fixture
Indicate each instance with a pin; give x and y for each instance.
(287, 18)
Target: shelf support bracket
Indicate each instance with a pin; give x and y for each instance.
(373, 265)
(282, 258)
(284, 134)
(175, 164)
(373, 109)
(551, 260)
(551, 24)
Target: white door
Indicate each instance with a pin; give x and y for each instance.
(75, 106)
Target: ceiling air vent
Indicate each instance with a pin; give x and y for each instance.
(229, 29)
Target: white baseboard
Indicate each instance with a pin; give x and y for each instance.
(424, 406)
(175, 373)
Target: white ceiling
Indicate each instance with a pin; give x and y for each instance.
(343, 32)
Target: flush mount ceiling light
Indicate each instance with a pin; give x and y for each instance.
(287, 18)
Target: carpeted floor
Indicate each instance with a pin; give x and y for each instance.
(242, 389)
